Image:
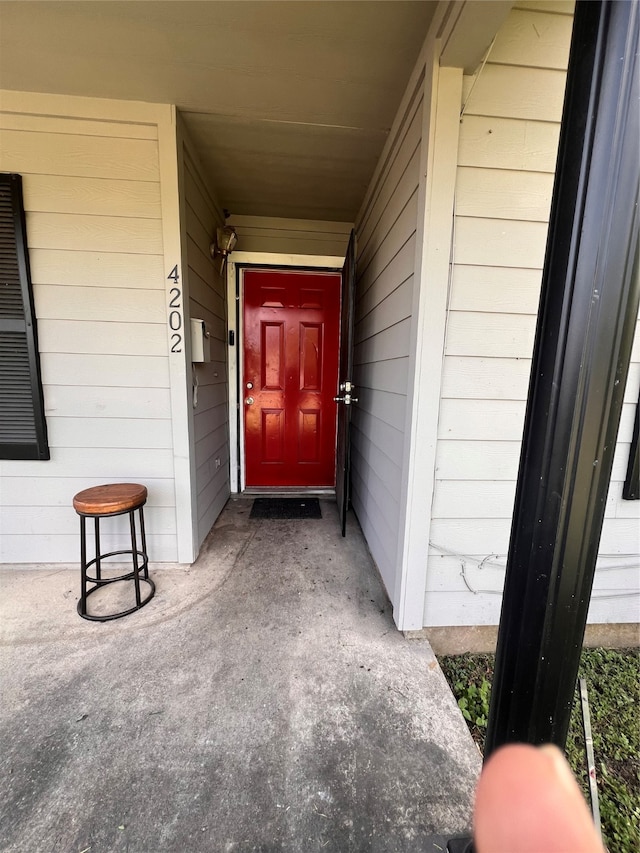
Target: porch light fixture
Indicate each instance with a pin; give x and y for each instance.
(223, 244)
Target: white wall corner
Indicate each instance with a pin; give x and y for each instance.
(439, 154)
(170, 147)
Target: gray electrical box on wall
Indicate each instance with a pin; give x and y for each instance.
(200, 341)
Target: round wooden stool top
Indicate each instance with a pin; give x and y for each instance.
(109, 499)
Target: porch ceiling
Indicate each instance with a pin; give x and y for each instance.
(288, 103)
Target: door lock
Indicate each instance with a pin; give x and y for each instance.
(347, 397)
(249, 401)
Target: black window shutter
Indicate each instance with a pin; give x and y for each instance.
(23, 429)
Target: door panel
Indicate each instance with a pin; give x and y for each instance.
(291, 340)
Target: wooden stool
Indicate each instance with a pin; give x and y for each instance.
(104, 502)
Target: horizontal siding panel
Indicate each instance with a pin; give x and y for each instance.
(199, 233)
(206, 422)
(376, 459)
(198, 198)
(75, 431)
(109, 338)
(490, 335)
(90, 401)
(500, 242)
(211, 396)
(94, 233)
(97, 269)
(477, 460)
(200, 262)
(460, 608)
(376, 515)
(52, 548)
(395, 168)
(94, 196)
(381, 435)
(407, 185)
(500, 420)
(496, 379)
(78, 127)
(211, 445)
(496, 460)
(211, 513)
(481, 420)
(294, 243)
(503, 194)
(394, 307)
(64, 521)
(507, 143)
(210, 480)
(534, 39)
(116, 371)
(391, 343)
(470, 499)
(472, 536)
(51, 491)
(491, 535)
(389, 245)
(485, 378)
(79, 156)
(203, 294)
(388, 407)
(497, 290)
(59, 302)
(401, 270)
(513, 92)
(388, 376)
(128, 465)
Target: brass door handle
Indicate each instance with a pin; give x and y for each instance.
(249, 401)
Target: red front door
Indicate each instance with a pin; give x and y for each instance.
(291, 343)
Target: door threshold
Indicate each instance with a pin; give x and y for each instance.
(289, 492)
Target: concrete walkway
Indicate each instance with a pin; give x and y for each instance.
(263, 701)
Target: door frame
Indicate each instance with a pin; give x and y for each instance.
(238, 262)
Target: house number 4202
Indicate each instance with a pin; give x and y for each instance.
(175, 315)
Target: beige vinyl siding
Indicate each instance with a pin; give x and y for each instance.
(506, 162)
(94, 226)
(207, 302)
(291, 236)
(384, 297)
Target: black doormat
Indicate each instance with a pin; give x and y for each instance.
(286, 508)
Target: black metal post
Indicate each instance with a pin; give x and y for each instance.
(588, 309)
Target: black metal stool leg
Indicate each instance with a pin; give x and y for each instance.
(134, 554)
(83, 567)
(97, 544)
(144, 545)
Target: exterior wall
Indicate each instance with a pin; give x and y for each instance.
(206, 294)
(291, 236)
(386, 230)
(506, 160)
(95, 193)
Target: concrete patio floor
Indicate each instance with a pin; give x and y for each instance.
(263, 701)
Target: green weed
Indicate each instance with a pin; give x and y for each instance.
(613, 679)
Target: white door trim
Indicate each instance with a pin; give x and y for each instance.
(238, 261)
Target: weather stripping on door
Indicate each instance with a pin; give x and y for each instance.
(347, 388)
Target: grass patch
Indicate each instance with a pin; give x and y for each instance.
(613, 683)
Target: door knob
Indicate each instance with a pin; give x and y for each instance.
(347, 399)
(249, 401)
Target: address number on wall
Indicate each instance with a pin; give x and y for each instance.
(175, 312)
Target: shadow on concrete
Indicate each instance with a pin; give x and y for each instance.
(263, 701)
